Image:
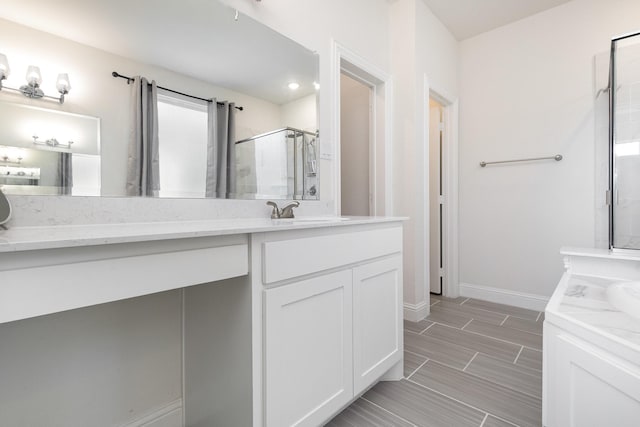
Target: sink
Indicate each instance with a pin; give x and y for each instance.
(625, 296)
(305, 219)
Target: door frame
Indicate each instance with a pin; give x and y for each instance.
(346, 61)
(450, 282)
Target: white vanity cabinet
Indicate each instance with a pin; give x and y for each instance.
(308, 349)
(377, 320)
(266, 323)
(588, 385)
(331, 334)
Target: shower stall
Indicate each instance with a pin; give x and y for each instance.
(281, 164)
(623, 196)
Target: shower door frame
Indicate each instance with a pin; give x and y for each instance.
(611, 193)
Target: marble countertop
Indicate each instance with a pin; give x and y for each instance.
(583, 301)
(66, 236)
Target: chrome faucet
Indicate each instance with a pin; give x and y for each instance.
(286, 212)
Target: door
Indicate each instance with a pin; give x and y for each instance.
(436, 197)
(308, 350)
(355, 140)
(377, 320)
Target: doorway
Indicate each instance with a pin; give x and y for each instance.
(355, 147)
(436, 196)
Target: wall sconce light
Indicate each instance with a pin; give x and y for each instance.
(52, 142)
(34, 79)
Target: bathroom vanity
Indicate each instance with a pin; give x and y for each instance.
(591, 348)
(285, 322)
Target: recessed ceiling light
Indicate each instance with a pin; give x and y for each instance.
(293, 85)
(316, 85)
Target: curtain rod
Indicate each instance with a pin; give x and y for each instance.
(130, 79)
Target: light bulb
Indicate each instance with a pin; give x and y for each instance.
(62, 84)
(293, 85)
(4, 67)
(33, 76)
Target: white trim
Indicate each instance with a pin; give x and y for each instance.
(364, 71)
(450, 282)
(169, 415)
(504, 296)
(416, 312)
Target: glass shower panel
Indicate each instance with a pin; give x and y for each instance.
(626, 142)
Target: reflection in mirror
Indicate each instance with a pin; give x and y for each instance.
(48, 152)
(5, 211)
(242, 62)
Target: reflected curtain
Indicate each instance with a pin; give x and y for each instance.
(65, 173)
(143, 165)
(221, 149)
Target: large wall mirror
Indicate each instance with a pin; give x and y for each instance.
(204, 58)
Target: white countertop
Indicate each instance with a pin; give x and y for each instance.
(583, 299)
(66, 236)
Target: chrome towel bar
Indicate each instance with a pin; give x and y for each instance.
(557, 158)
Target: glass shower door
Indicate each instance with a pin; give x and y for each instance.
(625, 142)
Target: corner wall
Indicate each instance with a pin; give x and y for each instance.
(527, 90)
(422, 50)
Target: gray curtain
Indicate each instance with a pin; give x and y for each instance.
(221, 150)
(65, 173)
(143, 166)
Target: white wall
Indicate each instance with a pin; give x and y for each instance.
(527, 89)
(422, 49)
(102, 365)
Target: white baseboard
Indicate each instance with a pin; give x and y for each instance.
(504, 296)
(416, 312)
(169, 415)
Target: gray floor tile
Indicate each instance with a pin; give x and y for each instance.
(474, 342)
(516, 407)
(501, 308)
(452, 300)
(412, 361)
(475, 313)
(526, 339)
(416, 327)
(510, 375)
(422, 407)
(448, 317)
(362, 413)
(523, 325)
(492, 421)
(530, 359)
(443, 351)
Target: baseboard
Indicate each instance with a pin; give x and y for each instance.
(504, 296)
(416, 312)
(169, 415)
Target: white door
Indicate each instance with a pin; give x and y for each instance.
(308, 350)
(436, 196)
(377, 320)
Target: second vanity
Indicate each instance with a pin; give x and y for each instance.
(592, 348)
(285, 322)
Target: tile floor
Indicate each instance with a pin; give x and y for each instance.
(470, 363)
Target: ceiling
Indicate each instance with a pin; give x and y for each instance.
(468, 18)
(197, 38)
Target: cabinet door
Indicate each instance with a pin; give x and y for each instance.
(595, 388)
(377, 320)
(308, 350)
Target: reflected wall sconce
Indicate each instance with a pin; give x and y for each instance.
(52, 142)
(34, 79)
